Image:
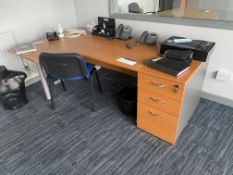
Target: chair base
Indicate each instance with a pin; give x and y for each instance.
(93, 72)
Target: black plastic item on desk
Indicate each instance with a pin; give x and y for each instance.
(127, 99)
(174, 62)
(105, 32)
(124, 32)
(52, 36)
(106, 27)
(12, 89)
(200, 48)
(149, 38)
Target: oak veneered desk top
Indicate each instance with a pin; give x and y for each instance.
(104, 52)
(100, 51)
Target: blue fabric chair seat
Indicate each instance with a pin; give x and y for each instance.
(89, 68)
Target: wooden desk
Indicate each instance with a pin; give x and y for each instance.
(165, 102)
(96, 50)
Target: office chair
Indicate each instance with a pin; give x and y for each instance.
(68, 66)
(134, 8)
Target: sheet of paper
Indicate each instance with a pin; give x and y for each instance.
(126, 61)
(73, 36)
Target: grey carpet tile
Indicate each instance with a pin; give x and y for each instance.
(73, 140)
(229, 169)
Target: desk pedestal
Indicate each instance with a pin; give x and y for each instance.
(166, 103)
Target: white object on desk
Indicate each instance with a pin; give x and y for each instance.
(73, 36)
(25, 48)
(74, 33)
(89, 27)
(156, 59)
(185, 40)
(60, 31)
(126, 61)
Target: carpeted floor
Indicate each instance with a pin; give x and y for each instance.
(74, 140)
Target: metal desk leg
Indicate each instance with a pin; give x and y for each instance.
(44, 82)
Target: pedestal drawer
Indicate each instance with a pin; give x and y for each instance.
(157, 123)
(170, 89)
(159, 102)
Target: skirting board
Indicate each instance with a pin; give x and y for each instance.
(217, 99)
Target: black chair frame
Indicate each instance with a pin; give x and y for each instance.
(80, 70)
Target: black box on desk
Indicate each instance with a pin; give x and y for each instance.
(200, 48)
(106, 27)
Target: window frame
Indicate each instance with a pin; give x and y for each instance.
(220, 24)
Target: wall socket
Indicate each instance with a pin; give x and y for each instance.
(224, 75)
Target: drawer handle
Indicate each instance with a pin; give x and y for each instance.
(155, 115)
(176, 88)
(160, 102)
(158, 85)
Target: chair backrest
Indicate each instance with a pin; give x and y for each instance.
(63, 65)
(134, 8)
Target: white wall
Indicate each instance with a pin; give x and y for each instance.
(30, 19)
(221, 57)
(87, 11)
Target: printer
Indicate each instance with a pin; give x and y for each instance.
(200, 48)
